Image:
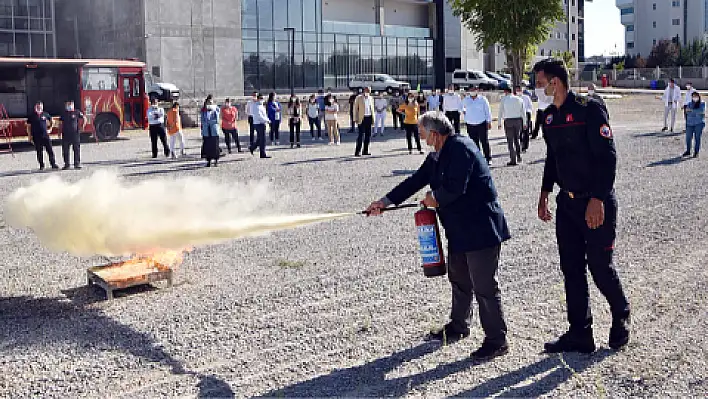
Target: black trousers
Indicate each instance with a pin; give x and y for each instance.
(474, 273)
(295, 131)
(539, 121)
(251, 130)
(158, 131)
(231, 134)
(580, 249)
(412, 131)
(351, 118)
(480, 135)
(40, 145)
(274, 131)
(315, 122)
(397, 119)
(260, 141)
(526, 133)
(454, 117)
(71, 141)
(364, 135)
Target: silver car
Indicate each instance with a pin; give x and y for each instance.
(378, 82)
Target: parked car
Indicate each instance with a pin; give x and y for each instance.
(160, 91)
(507, 76)
(378, 82)
(462, 79)
(504, 83)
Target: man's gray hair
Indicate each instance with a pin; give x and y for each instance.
(436, 121)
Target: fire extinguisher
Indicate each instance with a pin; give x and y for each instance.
(431, 250)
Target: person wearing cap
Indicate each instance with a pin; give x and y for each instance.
(512, 113)
(671, 100)
(478, 118)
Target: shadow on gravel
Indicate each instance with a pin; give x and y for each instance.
(43, 322)
(668, 162)
(180, 168)
(369, 380)
(658, 134)
(344, 159)
(557, 369)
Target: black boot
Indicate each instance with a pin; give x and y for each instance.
(582, 342)
(448, 334)
(619, 333)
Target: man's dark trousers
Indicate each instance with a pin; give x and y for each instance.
(260, 139)
(158, 131)
(251, 130)
(230, 134)
(364, 134)
(71, 141)
(539, 122)
(475, 273)
(526, 133)
(42, 143)
(580, 249)
(454, 117)
(480, 135)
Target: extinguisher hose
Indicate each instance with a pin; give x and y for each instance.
(394, 208)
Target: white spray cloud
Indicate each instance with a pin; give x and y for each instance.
(104, 215)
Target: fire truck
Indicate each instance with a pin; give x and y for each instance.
(110, 93)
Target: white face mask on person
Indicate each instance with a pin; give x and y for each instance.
(591, 92)
(696, 99)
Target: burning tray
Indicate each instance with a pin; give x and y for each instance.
(121, 275)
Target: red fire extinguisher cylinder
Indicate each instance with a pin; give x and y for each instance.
(431, 250)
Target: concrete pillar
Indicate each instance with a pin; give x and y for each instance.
(657, 73)
(614, 75)
(380, 17)
(680, 72)
(704, 71)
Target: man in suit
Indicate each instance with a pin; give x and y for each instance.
(364, 116)
(464, 196)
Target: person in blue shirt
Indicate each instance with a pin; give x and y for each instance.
(275, 112)
(695, 122)
(464, 196)
(210, 132)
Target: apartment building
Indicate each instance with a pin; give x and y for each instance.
(648, 21)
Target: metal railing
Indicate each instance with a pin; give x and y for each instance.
(648, 77)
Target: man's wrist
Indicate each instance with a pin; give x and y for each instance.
(386, 201)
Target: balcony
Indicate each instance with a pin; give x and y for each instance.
(629, 36)
(624, 3)
(627, 19)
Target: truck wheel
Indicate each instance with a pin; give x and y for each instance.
(107, 126)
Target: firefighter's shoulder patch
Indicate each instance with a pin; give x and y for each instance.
(606, 131)
(581, 100)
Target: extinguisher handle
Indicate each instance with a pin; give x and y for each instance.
(393, 208)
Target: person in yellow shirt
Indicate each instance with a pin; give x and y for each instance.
(174, 129)
(410, 123)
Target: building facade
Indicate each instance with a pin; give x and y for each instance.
(648, 21)
(27, 28)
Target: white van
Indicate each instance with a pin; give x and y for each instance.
(463, 79)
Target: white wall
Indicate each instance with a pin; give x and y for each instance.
(405, 13)
(349, 10)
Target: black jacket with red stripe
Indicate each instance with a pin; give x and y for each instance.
(581, 156)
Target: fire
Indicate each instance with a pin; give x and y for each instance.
(143, 264)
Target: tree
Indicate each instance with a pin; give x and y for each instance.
(640, 62)
(664, 54)
(517, 25)
(694, 54)
(567, 58)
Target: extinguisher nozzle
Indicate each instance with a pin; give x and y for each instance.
(391, 208)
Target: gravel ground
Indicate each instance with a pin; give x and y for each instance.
(341, 308)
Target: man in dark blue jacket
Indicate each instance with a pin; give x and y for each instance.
(39, 124)
(465, 198)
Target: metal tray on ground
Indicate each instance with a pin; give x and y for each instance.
(122, 275)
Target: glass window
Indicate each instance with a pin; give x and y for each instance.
(310, 37)
(630, 28)
(280, 17)
(311, 48)
(653, 24)
(249, 14)
(309, 17)
(295, 14)
(250, 46)
(100, 78)
(653, 6)
(37, 43)
(626, 11)
(630, 45)
(676, 22)
(265, 14)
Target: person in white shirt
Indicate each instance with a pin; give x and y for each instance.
(688, 99)
(452, 106)
(478, 118)
(511, 111)
(380, 105)
(528, 109)
(156, 120)
(671, 100)
(434, 101)
(332, 127)
(250, 106)
(260, 119)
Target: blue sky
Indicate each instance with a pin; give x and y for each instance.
(604, 34)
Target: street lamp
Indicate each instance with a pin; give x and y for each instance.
(291, 78)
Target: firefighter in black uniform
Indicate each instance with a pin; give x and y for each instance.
(39, 124)
(70, 134)
(582, 161)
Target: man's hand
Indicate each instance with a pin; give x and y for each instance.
(429, 200)
(489, 126)
(544, 213)
(595, 213)
(375, 208)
